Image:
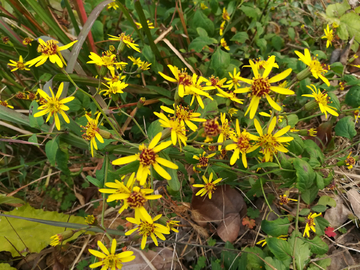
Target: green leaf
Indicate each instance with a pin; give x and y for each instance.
(202, 32)
(280, 248)
(240, 37)
(345, 127)
(296, 146)
(261, 43)
(200, 42)
(342, 32)
(310, 194)
(220, 60)
(301, 250)
(154, 128)
(23, 231)
(6, 266)
(252, 259)
(62, 158)
(9, 200)
(320, 225)
(334, 101)
(275, 227)
(277, 264)
(319, 208)
(264, 165)
(97, 31)
(322, 263)
(228, 257)
(352, 97)
(94, 181)
(277, 42)
(51, 149)
(338, 9)
(174, 183)
(352, 22)
(337, 67)
(33, 139)
(35, 122)
(160, 90)
(326, 200)
(305, 174)
(312, 150)
(304, 212)
(210, 108)
(200, 20)
(201, 263)
(250, 12)
(291, 33)
(290, 120)
(319, 181)
(253, 213)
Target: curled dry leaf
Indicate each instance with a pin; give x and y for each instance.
(354, 199)
(225, 209)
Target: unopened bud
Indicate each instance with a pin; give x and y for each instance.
(141, 102)
(105, 134)
(311, 105)
(60, 237)
(303, 74)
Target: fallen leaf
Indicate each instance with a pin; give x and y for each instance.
(228, 229)
(337, 215)
(250, 223)
(330, 232)
(354, 199)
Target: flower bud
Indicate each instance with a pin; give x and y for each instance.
(303, 74)
(58, 238)
(105, 134)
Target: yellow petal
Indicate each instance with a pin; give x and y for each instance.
(124, 160)
(280, 76)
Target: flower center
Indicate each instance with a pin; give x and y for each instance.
(136, 200)
(111, 261)
(20, 65)
(182, 113)
(147, 157)
(316, 67)
(90, 131)
(310, 222)
(350, 161)
(185, 79)
(260, 87)
(211, 127)
(243, 143)
(53, 105)
(203, 162)
(322, 99)
(50, 48)
(146, 228)
(210, 188)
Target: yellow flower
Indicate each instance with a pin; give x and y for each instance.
(350, 161)
(235, 80)
(312, 132)
(224, 44)
(146, 229)
(90, 219)
(148, 157)
(232, 111)
(261, 87)
(27, 41)
(222, 28)
(6, 104)
(54, 106)
(341, 86)
(60, 237)
(230, 95)
(356, 115)
(203, 160)
(197, 89)
(269, 143)
(107, 59)
(208, 188)
(110, 260)
(203, 6)
(18, 64)
(113, 5)
(241, 145)
(322, 99)
(216, 82)
(329, 35)
(335, 25)
(310, 224)
(137, 62)
(183, 79)
(127, 40)
(135, 198)
(225, 15)
(225, 130)
(118, 187)
(178, 132)
(184, 115)
(285, 200)
(280, 118)
(150, 25)
(91, 131)
(314, 65)
(114, 88)
(264, 64)
(144, 65)
(211, 128)
(49, 50)
(171, 224)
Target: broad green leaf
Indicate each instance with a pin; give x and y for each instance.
(296, 146)
(320, 225)
(6, 266)
(51, 149)
(261, 43)
(228, 257)
(160, 90)
(312, 150)
(291, 33)
(275, 227)
(280, 248)
(352, 22)
(337, 67)
(310, 194)
(326, 200)
(325, 263)
(35, 122)
(305, 174)
(200, 42)
(220, 60)
(352, 97)
(10, 200)
(342, 32)
(334, 101)
(210, 108)
(346, 127)
(279, 265)
(252, 259)
(318, 246)
(251, 12)
(62, 158)
(277, 42)
(23, 231)
(319, 208)
(304, 212)
(154, 128)
(200, 20)
(33, 139)
(319, 181)
(240, 37)
(201, 32)
(97, 31)
(301, 250)
(338, 9)
(290, 120)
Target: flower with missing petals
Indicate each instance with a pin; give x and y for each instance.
(310, 224)
(18, 64)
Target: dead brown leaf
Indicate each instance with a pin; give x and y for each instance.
(337, 215)
(354, 199)
(225, 209)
